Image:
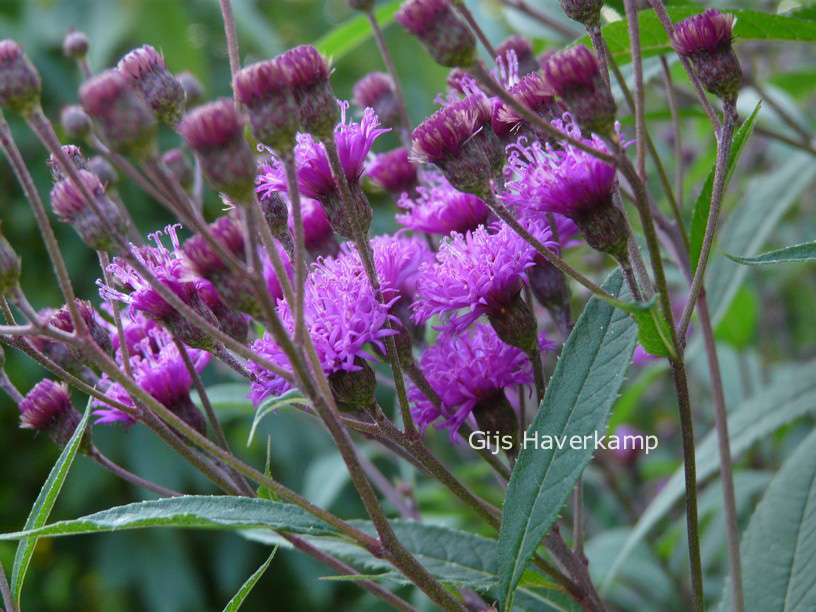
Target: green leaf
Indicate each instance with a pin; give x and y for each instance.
(44, 504)
(235, 603)
(699, 218)
(355, 31)
(654, 334)
(791, 396)
(738, 327)
(750, 26)
(272, 404)
(779, 546)
(577, 402)
(189, 511)
(798, 252)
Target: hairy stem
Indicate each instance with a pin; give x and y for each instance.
(232, 37)
(5, 592)
(464, 11)
(293, 190)
(130, 477)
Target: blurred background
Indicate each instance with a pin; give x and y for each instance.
(174, 571)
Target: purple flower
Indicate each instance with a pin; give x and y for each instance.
(20, 83)
(44, 405)
(318, 235)
(376, 90)
(475, 274)
(441, 209)
(466, 370)
(147, 72)
(394, 172)
(523, 51)
(342, 315)
(532, 92)
(448, 40)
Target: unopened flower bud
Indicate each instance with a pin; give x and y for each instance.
(587, 12)
(20, 83)
(273, 114)
(307, 73)
(147, 72)
(10, 266)
(354, 390)
(394, 172)
(71, 207)
(76, 122)
(550, 288)
(446, 37)
(193, 90)
(47, 407)
(317, 231)
(496, 416)
(525, 57)
(276, 215)
(125, 120)
(62, 321)
(75, 44)
(74, 153)
(215, 132)
(706, 40)
(575, 77)
(176, 161)
(104, 170)
(515, 325)
(533, 93)
(376, 90)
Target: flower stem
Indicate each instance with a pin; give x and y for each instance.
(5, 592)
(293, 190)
(678, 140)
(130, 476)
(232, 37)
(637, 69)
(464, 11)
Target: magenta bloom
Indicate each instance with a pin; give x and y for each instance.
(708, 31)
(475, 274)
(394, 172)
(532, 92)
(342, 315)
(45, 405)
(441, 209)
(465, 370)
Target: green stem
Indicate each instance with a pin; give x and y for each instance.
(130, 477)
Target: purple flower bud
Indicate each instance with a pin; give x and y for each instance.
(706, 40)
(231, 322)
(532, 92)
(74, 153)
(273, 114)
(575, 77)
(376, 90)
(75, 44)
(317, 231)
(587, 12)
(276, 215)
(125, 120)
(103, 169)
(394, 172)
(20, 84)
(99, 233)
(441, 209)
(353, 390)
(62, 320)
(147, 73)
(215, 132)
(446, 37)
(76, 122)
(193, 90)
(307, 73)
(47, 407)
(10, 265)
(525, 57)
(459, 140)
(176, 161)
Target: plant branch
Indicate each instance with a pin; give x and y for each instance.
(564, 31)
(130, 477)
(232, 37)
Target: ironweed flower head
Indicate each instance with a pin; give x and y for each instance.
(74, 153)
(47, 407)
(376, 90)
(569, 182)
(532, 92)
(317, 231)
(441, 209)
(75, 121)
(394, 172)
(10, 265)
(706, 40)
(101, 233)
(273, 113)
(147, 73)
(307, 74)
(105, 171)
(587, 12)
(342, 316)
(193, 90)
(215, 132)
(61, 319)
(124, 118)
(75, 44)
(446, 37)
(575, 77)
(20, 83)
(523, 50)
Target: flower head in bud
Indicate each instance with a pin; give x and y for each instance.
(47, 407)
(99, 233)
(125, 120)
(532, 92)
(168, 267)
(307, 74)
(102, 168)
(376, 90)
(458, 139)
(20, 83)
(317, 231)
(441, 209)
(176, 161)
(147, 72)
(273, 114)
(525, 57)
(159, 370)
(10, 266)
(74, 153)
(706, 40)
(587, 12)
(215, 132)
(193, 91)
(75, 44)
(568, 182)
(477, 273)
(575, 77)
(465, 370)
(342, 316)
(394, 172)
(75, 121)
(62, 320)
(446, 37)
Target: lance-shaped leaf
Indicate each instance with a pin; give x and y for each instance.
(236, 602)
(797, 252)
